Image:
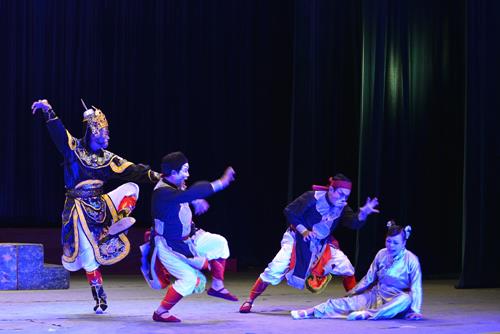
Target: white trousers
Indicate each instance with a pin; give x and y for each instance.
(276, 270)
(202, 244)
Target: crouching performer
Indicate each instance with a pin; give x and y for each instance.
(94, 223)
(391, 288)
(180, 250)
(309, 254)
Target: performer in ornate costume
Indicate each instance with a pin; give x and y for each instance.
(309, 253)
(179, 249)
(93, 223)
(392, 287)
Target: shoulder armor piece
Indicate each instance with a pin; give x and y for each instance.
(71, 141)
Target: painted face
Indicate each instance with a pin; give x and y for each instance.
(101, 140)
(181, 176)
(338, 196)
(395, 244)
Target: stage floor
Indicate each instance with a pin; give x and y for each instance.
(132, 302)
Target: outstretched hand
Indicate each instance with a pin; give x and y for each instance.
(370, 206)
(228, 176)
(40, 104)
(200, 206)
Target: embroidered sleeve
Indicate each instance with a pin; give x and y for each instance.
(118, 164)
(126, 170)
(63, 140)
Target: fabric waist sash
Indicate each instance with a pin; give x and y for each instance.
(84, 193)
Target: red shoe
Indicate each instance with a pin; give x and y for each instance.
(170, 318)
(246, 307)
(224, 295)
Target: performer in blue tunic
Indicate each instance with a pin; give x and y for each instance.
(180, 250)
(392, 287)
(309, 253)
(93, 223)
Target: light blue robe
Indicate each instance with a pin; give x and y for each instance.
(391, 286)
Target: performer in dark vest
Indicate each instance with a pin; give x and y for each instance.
(309, 253)
(181, 250)
(93, 222)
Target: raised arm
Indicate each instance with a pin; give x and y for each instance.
(356, 220)
(171, 195)
(63, 140)
(198, 190)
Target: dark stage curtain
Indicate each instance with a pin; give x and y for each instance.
(382, 101)
(480, 252)
(210, 78)
(410, 125)
(400, 96)
(326, 98)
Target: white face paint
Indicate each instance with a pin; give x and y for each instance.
(181, 176)
(339, 196)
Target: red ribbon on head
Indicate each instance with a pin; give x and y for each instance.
(335, 184)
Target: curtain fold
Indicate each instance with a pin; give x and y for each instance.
(480, 255)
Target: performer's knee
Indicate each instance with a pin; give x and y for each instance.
(271, 276)
(131, 189)
(223, 246)
(405, 300)
(91, 267)
(186, 284)
(72, 266)
(349, 270)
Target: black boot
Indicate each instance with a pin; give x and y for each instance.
(100, 299)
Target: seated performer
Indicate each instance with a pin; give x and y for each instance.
(181, 250)
(93, 222)
(309, 254)
(392, 287)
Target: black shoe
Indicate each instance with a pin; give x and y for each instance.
(97, 310)
(100, 299)
(100, 306)
(103, 304)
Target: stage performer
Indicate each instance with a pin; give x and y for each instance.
(391, 288)
(180, 250)
(309, 254)
(94, 223)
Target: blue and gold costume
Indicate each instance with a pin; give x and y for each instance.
(93, 223)
(86, 205)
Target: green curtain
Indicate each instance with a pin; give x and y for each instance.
(383, 102)
(480, 252)
(410, 123)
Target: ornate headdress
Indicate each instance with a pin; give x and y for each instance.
(406, 229)
(95, 118)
